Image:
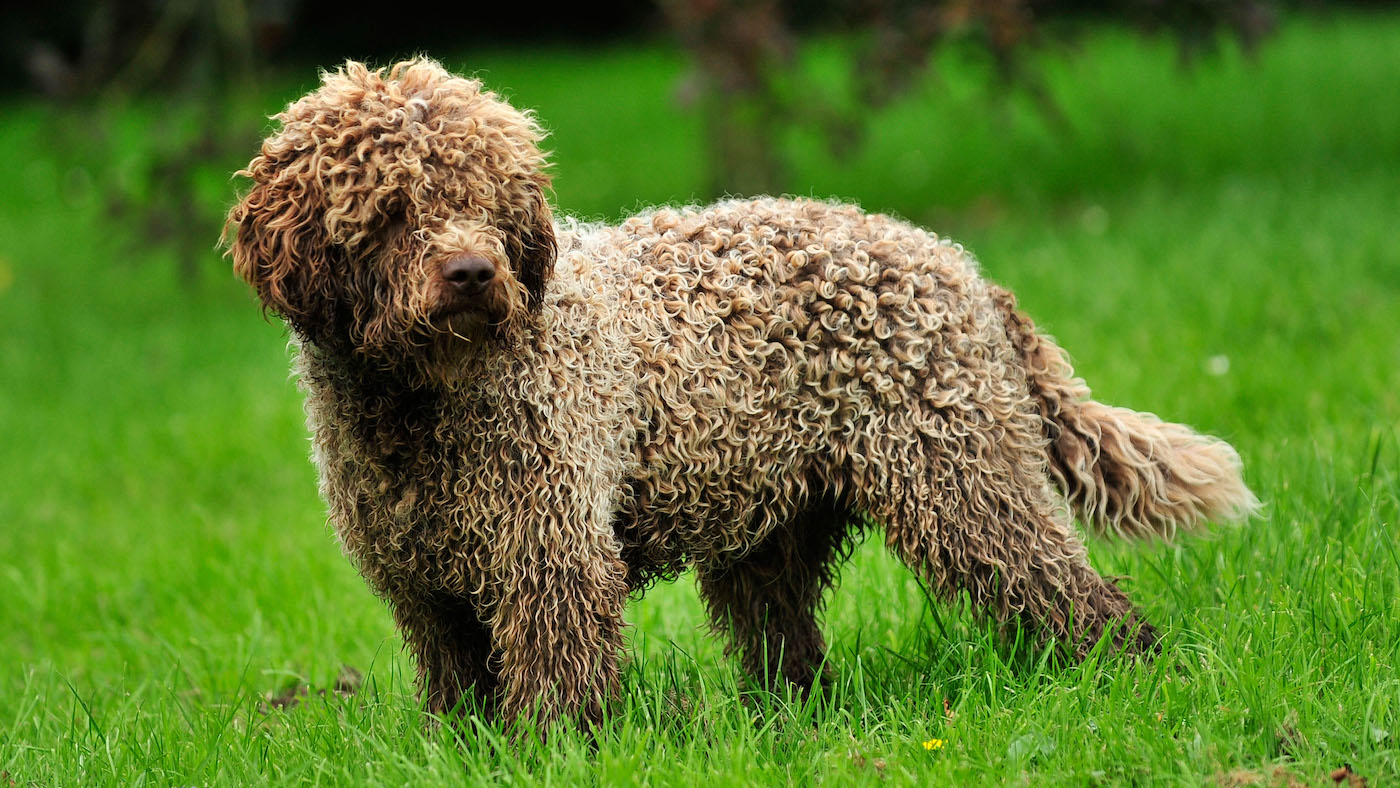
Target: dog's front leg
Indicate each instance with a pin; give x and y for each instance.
(558, 624)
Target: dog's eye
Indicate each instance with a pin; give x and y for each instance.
(393, 226)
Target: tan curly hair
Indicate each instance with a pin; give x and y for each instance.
(518, 422)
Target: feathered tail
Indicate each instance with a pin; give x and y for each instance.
(1125, 473)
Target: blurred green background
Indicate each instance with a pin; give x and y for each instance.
(1198, 199)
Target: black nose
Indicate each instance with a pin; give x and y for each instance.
(468, 272)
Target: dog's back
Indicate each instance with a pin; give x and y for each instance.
(782, 347)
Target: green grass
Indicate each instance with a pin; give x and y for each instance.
(165, 566)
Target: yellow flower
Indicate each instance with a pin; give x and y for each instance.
(933, 744)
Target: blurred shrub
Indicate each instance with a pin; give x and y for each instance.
(747, 81)
(191, 58)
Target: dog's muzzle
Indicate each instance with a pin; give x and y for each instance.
(466, 281)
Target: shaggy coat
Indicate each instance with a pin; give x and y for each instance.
(519, 422)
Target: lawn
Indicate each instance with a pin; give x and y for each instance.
(1218, 246)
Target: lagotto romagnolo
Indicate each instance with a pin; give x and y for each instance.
(519, 420)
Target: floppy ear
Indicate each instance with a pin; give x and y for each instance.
(531, 243)
(280, 246)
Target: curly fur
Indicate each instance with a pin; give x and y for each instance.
(736, 388)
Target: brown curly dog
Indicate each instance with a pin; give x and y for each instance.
(519, 421)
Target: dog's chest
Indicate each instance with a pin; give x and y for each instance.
(424, 487)
(397, 471)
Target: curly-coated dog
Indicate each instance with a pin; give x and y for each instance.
(520, 421)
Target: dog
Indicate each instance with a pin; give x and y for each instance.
(519, 421)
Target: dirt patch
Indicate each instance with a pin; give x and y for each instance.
(347, 683)
(1344, 774)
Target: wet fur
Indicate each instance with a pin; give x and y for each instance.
(734, 388)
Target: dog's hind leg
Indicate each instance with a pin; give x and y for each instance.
(979, 516)
(452, 649)
(768, 600)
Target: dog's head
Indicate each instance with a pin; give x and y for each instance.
(397, 215)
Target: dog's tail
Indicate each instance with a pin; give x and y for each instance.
(1125, 473)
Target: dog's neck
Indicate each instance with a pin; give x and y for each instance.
(385, 398)
(461, 370)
